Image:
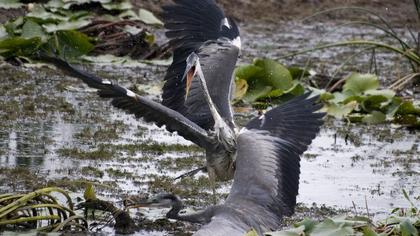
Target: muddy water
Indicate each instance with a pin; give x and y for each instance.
(65, 136)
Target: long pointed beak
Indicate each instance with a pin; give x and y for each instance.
(190, 71)
(136, 203)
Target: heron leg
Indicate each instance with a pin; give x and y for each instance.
(212, 179)
(192, 172)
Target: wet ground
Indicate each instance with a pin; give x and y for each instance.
(55, 131)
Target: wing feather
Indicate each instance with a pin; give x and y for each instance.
(141, 107)
(268, 159)
(189, 24)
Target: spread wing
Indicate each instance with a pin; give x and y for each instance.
(140, 106)
(267, 163)
(191, 23)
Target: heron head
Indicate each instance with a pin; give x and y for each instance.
(163, 200)
(190, 71)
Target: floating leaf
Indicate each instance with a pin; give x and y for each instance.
(18, 46)
(148, 17)
(388, 93)
(119, 6)
(308, 224)
(289, 232)
(241, 87)
(359, 83)
(31, 29)
(10, 4)
(374, 102)
(3, 32)
(330, 228)
(375, 117)
(67, 25)
(341, 111)
(407, 229)
(255, 92)
(71, 44)
(247, 72)
(369, 232)
(298, 73)
(274, 74)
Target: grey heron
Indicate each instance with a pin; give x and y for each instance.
(266, 179)
(198, 27)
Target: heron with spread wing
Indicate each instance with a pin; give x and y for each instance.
(266, 178)
(197, 30)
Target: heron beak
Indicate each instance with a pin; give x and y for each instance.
(190, 72)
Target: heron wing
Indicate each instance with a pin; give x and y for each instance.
(132, 103)
(191, 23)
(217, 60)
(267, 164)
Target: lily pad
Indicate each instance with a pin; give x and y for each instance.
(241, 87)
(341, 111)
(31, 29)
(148, 17)
(375, 117)
(10, 4)
(70, 44)
(274, 74)
(330, 228)
(359, 83)
(18, 46)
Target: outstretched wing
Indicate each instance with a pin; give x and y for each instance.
(267, 165)
(191, 23)
(140, 106)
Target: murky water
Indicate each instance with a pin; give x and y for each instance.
(345, 165)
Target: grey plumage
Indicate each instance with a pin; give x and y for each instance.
(266, 178)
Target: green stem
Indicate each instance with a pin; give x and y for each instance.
(409, 55)
(25, 198)
(26, 219)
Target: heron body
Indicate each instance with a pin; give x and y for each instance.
(266, 176)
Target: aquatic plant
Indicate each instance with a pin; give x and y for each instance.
(400, 221)
(361, 100)
(72, 29)
(40, 210)
(404, 48)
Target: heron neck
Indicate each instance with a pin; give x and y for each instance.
(197, 217)
(215, 114)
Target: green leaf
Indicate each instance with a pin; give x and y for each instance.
(13, 27)
(407, 229)
(376, 117)
(71, 44)
(408, 107)
(148, 17)
(274, 74)
(374, 102)
(3, 32)
(341, 111)
(388, 93)
(241, 87)
(10, 4)
(256, 92)
(89, 193)
(309, 225)
(119, 6)
(251, 233)
(18, 46)
(247, 72)
(369, 232)
(67, 25)
(298, 73)
(289, 232)
(39, 12)
(31, 29)
(359, 83)
(330, 228)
